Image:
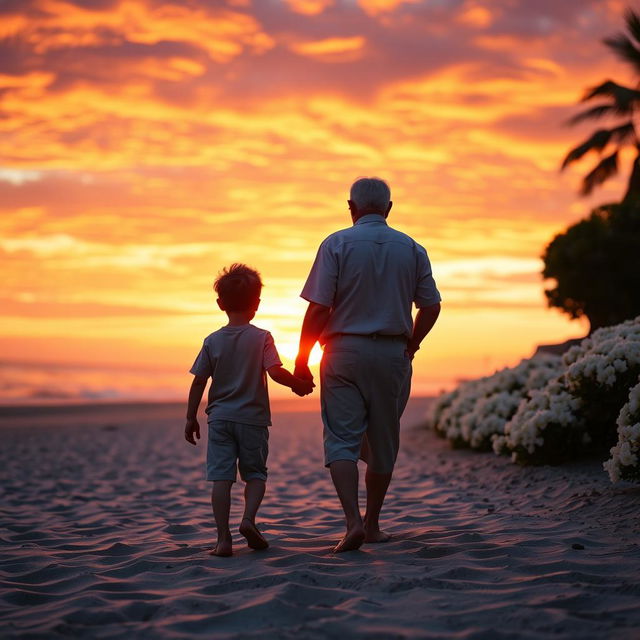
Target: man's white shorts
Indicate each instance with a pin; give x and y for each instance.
(365, 383)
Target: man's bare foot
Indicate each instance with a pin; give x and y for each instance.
(376, 536)
(352, 540)
(254, 538)
(222, 550)
(373, 533)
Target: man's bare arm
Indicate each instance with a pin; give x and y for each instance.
(425, 319)
(299, 386)
(192, 427)
(315, 320)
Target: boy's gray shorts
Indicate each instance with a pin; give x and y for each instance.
(364, 388)
(233, 445)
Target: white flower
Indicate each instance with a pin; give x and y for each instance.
(625, 455)
(602, 358)
(551, 406)
(479, 409)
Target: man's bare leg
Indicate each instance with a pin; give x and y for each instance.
(344, 474)
(253, 494)
(377, 484)
(221, 504)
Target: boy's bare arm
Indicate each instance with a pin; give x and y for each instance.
(192, 427)
(297, 385)
(425, 319)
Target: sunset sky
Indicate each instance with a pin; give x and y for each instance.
(145, 145)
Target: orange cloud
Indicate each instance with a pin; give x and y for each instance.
(33, 81)
(173, 69)
(332, 49)
(475, 15)
(376, 7)
(223, 33)
(309, 7)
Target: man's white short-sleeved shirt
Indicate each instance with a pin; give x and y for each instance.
(236, 358)
(370, 275)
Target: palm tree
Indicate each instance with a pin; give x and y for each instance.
(620, 102)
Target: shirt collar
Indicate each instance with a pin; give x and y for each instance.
(371, 217)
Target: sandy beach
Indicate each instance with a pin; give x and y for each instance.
(105, 522)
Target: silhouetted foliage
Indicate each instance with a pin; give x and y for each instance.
(596, 266)
(621, 102)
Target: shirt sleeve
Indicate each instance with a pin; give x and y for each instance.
(426, 291)
(202, 364)
(321, 284)
(270, 357)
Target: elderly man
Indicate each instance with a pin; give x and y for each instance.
(360, 291)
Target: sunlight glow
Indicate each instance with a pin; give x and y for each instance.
(148, 145)
(289, 350)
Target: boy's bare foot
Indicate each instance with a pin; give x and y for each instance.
(222, 550)
(254, 538)
(352, 540)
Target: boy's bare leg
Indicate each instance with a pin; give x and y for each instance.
(344, 474)
(377, 484)
(253, 494)
(221, 504)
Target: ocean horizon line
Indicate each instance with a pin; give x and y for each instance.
(79, 405)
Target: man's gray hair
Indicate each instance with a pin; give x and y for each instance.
(371, 193)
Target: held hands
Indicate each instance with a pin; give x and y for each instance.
(302, 387)
(192, 428)
(302, 371)
(304, 379)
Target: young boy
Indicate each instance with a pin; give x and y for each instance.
(236, 358)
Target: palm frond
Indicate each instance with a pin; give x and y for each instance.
(597, 142)
(606, 168)
(624, 98)
(614, 100)
(594, 113)
(625, 49)
(624, 134)
(632, 20)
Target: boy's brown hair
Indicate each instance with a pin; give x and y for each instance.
(238, 287)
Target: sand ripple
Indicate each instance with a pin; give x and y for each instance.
(105, 522)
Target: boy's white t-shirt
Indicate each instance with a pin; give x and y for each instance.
(236, 358)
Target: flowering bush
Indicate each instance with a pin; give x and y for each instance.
(624, 463)
(549, 409)
(473, 413)
(440, 414)
(600, 371)
(546, 428)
